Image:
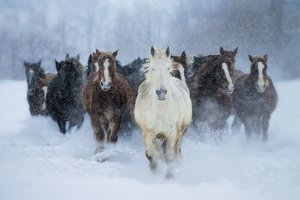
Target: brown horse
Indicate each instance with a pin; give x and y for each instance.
(255, 98)
(212, 101)
(106, 97)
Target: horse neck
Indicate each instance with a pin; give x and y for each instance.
(251, 79)
(207, 79)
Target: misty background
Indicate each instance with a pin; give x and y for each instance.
(35, 30)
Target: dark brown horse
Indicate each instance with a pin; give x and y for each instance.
(37, 83)
(255, 98)
(212, 101)
(106, 97)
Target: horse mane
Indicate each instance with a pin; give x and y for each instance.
(147, 65)
(209, 67)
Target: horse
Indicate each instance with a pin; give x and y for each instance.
(163, 110)
(37, 85)
(255, 98)
(133, 72)
(89, 67)
(212, 101)
(63, 97)
(106, 97)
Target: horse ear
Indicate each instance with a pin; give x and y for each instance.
(78, 57)
(67, 56)
(57, 65)
(168, 53)
(25, 63)
(97, 51)
(251, 58)
(90, 60)
(40, 62)
(115, 53)
(266, 57)
(221, 50)
(152, 51)
(235, 51)
(183, 55)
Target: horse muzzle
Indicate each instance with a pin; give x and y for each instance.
(105, 86)
(161, 93)
(260, 88)
(229, 89)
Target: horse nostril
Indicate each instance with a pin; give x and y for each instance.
(160, 91)
(101, 83)
(109, 84)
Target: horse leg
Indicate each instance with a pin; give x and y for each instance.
(114, 127)
(98, 134)
(248, 126)
(62, 126)
(265, 125)
(171, 153)
(258, 125)
(80, 121)
(150, 152)
(236, 124)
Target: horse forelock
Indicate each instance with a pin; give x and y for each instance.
(159, 62)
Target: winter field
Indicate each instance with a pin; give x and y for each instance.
(37, 162)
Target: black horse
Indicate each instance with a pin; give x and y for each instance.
(63, 97)
(133, 72)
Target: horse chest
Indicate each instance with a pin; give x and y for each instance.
(161, 118)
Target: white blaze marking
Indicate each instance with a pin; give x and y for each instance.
(45, 88)
(97, 67)
(181, 71)
(189, 60)
(106, 71)
(225, 68)
(261, 81)
(31, 71)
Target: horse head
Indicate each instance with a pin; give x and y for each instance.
(224, 72)
(259, 72)
(70, 70)
(158, 69)
(105, 67)
(34, 72)
(229, 54)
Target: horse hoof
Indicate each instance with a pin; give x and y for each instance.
(153, 167)
(265, 138)
(169, 176)
(113, 139)
(99, 149)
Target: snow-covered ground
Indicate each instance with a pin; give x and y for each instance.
(37, 162)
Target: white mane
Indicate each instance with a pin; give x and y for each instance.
(159, 61)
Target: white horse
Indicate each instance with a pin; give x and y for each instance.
(163, 110)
